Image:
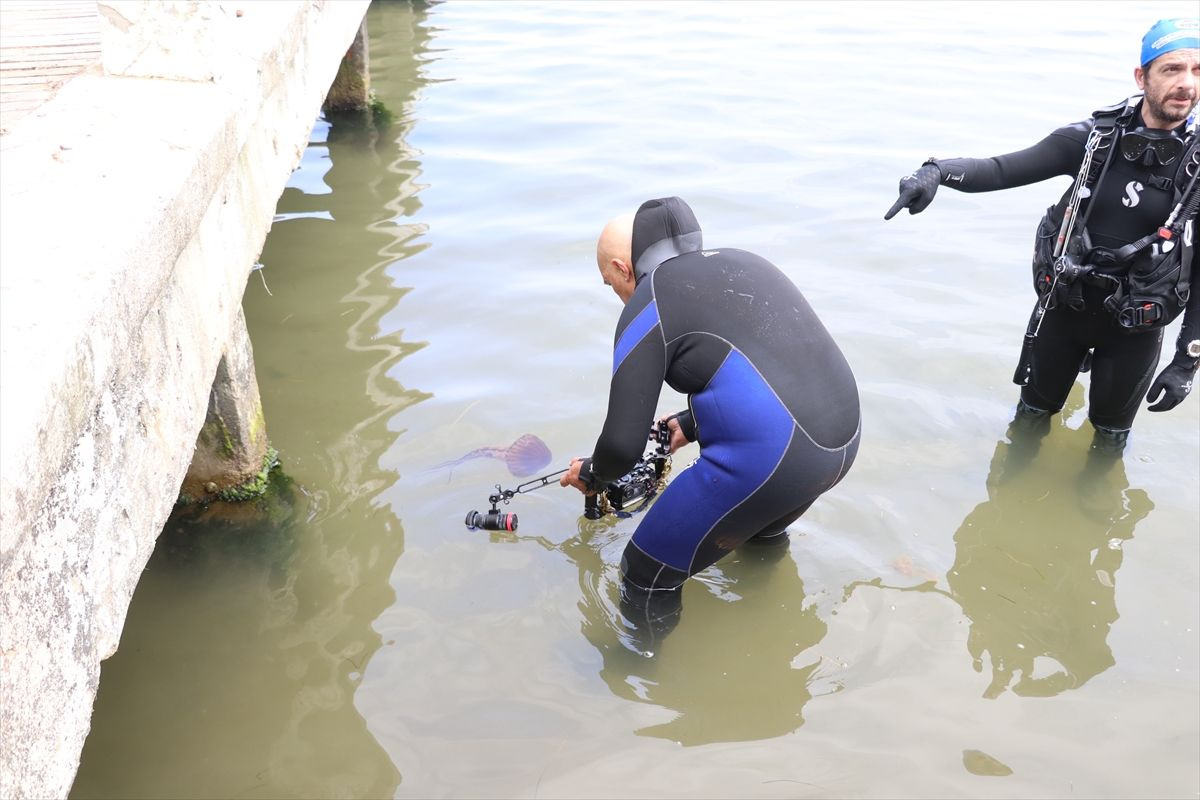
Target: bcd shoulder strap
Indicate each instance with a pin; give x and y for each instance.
(1107, 123)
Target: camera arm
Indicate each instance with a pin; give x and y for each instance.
(502, 495)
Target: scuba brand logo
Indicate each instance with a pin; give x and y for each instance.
(1132, 196)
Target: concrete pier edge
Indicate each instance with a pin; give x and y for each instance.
(133, 210)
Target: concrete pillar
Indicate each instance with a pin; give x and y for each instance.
(232, 456)
(351, 89)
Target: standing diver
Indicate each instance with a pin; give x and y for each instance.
(1114, 259)
(771, 400)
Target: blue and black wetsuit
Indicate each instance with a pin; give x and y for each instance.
(1131, 200)
(771, 399)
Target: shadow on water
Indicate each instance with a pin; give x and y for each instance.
(717, 676)
(251, 627)
(1036, 563)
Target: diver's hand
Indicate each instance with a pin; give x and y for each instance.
(682, 427)
(917, 190)
(1173, 383)
(678, 439)
(572, 476)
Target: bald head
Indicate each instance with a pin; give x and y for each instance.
(614, 255)
(616, 240)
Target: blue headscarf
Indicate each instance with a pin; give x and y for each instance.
(1168, 35)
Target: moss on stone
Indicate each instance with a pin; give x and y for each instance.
(217, 431)
(364, 127)
(257, 485)
(381, 115)
(208, 537)
(258, 423)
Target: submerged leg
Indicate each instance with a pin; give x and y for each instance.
(775, 536)
(651, 615)
(651, 597)
(1107, 443)
(1028, 427)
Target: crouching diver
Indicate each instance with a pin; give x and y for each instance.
(771, 401)
(1114, 259)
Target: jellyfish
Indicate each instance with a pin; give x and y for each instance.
(525, 456)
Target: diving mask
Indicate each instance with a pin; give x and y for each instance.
(1149, 146)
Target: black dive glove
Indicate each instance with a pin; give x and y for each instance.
(687, 424)
(917, 190)
(587, 476)
(1175, 380)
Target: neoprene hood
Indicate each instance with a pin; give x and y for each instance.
(663, 229)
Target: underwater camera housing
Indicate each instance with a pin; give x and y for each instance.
(640, 484)
(635, 488)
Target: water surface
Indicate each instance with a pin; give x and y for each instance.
(959, 617)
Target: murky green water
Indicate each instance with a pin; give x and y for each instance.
(960, 617)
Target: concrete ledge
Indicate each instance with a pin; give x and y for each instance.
(133, 210)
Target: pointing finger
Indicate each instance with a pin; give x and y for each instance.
(900, 203)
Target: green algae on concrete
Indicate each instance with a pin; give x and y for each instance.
(221, 536)
(381, 116)
(257, 485)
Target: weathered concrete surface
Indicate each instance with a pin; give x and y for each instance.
(131, 211)
(351, 89)
(174, 39)
(232, 448)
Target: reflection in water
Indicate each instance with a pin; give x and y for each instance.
(247, 638)
(236, 662)
(242, 651)
(721, 678)
(1036, 562)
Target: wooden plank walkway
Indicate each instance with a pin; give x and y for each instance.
(43, 44)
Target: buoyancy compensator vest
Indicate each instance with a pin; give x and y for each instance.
(1146, 282)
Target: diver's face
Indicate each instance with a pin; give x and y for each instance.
(619, 276)
(1172, 84)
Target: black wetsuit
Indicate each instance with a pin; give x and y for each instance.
(771, 399)
(1131, 201)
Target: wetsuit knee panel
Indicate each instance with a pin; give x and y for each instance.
(647, 573)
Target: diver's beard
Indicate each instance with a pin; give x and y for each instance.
(1160, 110)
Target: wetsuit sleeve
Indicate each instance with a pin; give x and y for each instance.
(687, 424)
(1190, 330)
(639, 368)
(1060, 153)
